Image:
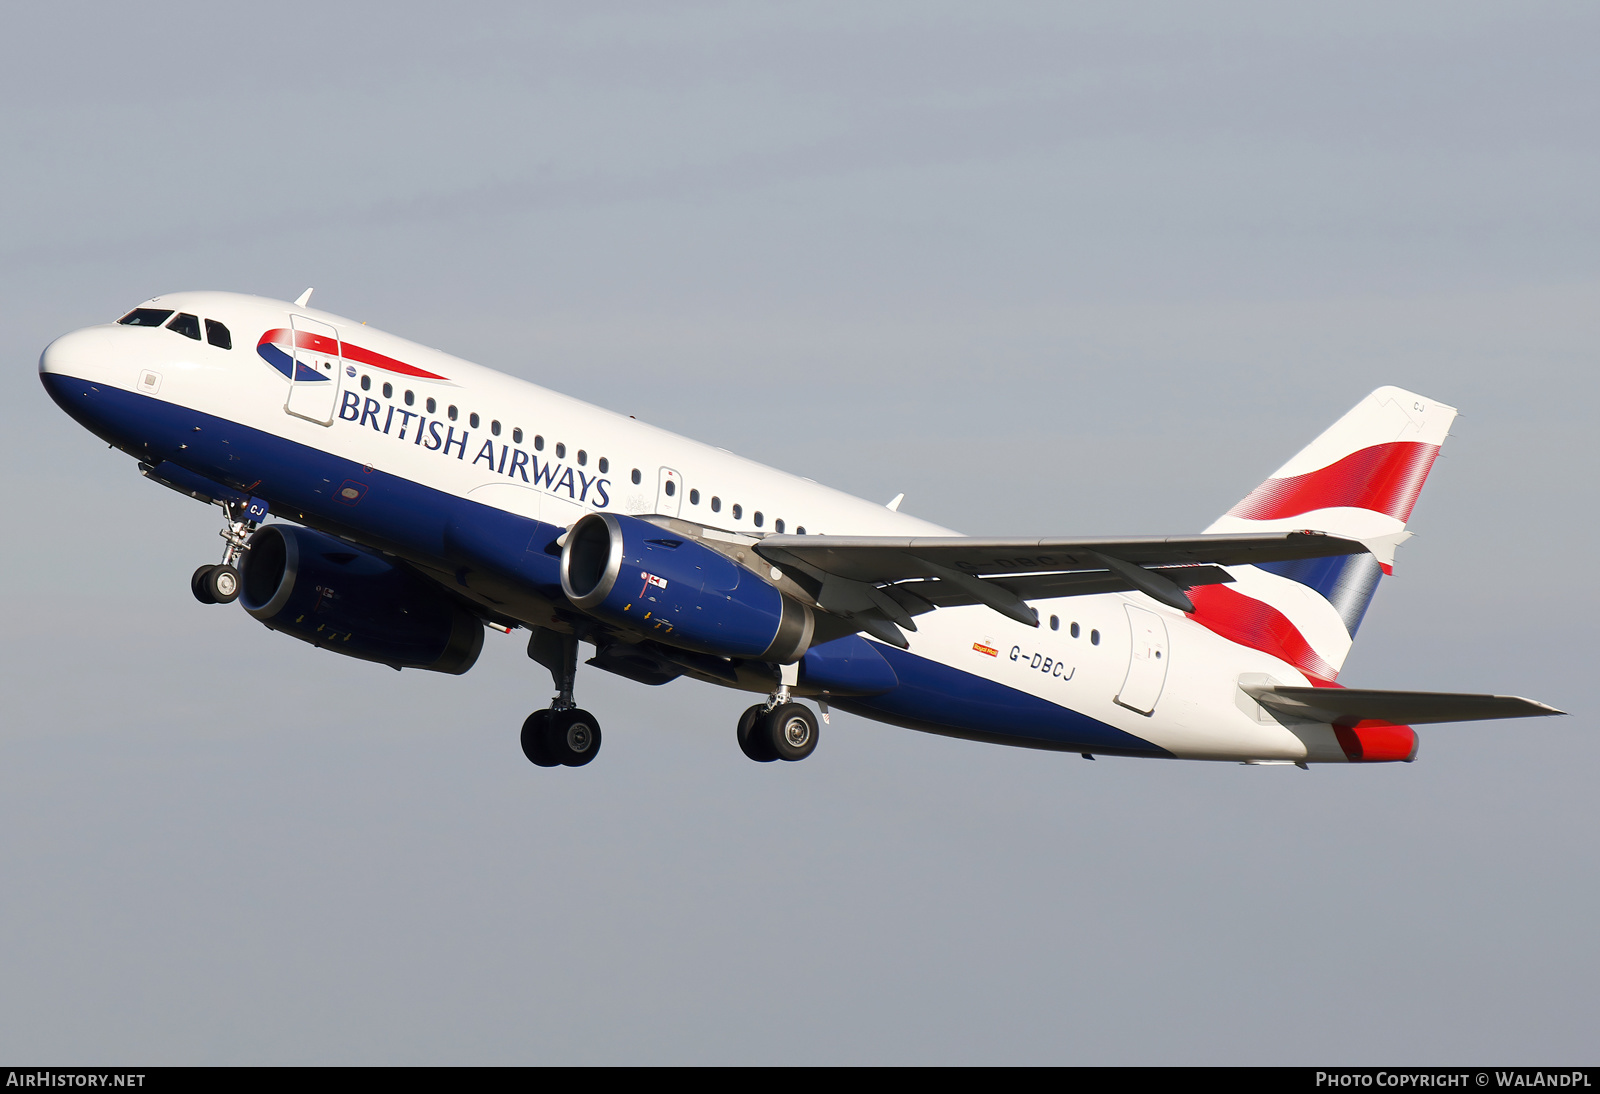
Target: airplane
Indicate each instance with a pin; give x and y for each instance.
(422, 499)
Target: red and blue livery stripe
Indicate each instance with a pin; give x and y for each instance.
(273, 346)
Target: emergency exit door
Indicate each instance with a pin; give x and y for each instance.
(1147, 661)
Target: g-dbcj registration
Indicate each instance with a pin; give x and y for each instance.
(423, 498)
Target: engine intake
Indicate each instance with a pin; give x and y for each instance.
(632, 574)
(343, 598)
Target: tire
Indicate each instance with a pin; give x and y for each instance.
(222, 584)
(790, 731)
(534, 745)
(197, 586)
(752, 743)
(573, 737)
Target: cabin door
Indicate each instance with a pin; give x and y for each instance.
(1147, 661)
(317, 372)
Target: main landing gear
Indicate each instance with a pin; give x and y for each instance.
(778, 729)
(563, 735)
(220, 584)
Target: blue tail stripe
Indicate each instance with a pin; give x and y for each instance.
(1347, 581)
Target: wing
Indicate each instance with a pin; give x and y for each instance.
(881, 582)
(1351, 705)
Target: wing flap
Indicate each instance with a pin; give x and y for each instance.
(938, 594)
(1351, 705)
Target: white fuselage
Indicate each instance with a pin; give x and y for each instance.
(544, 455)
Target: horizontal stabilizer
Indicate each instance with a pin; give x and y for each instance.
(1347, 706)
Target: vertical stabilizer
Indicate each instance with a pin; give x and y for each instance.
(1359, 479)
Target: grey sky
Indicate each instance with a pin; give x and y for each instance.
(1073, 269)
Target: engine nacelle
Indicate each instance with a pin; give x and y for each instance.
(632, 574)
(342, 598)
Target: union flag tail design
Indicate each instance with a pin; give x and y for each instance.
(1359, 479)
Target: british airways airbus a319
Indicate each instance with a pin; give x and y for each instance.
(421, 498)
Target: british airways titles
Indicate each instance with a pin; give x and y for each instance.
(434, 435)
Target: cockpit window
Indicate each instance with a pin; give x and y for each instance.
(218, 335)
(186, 325)
(145, 317)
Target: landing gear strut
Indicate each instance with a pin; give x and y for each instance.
(779, 729)
(220, 584)
(563, 735)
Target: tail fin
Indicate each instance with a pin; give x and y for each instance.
(1359, 480)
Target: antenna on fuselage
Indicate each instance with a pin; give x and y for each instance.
(895, 504)
(304, 297)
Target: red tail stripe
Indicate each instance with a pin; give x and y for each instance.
(1385, 478)
(319, 343)
(1250, 622)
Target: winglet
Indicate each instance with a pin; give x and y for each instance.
(303, 299)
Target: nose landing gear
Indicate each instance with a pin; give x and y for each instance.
(563, 735)
(219, 584)
(215, 584)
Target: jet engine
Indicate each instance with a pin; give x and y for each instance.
(634, 575)
(356, 602)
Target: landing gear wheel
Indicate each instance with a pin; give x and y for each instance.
(789, 730)
(222, 584)
(197, 586)
(573, 737)
(534, 744)
(751, 742)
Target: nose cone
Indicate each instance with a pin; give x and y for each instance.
(83, 354)
(86, 376)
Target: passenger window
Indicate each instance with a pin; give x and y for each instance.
(605, 465)
(388, 391)
(777, 526)
(694, 497)
(1074, 630)
(366, 383)
(410, 398)
(561, 450)
(218, 335)
(472, 420)
(672, 488)
(738, 512)
(432, 406)
(636, 476)
(451, 413)
(758, 518)
(494, 427)
(186, 325)
(1055, 622)
(516, 435)
(1094, 638)
(583, 458)
(145, 317)
(716, 505)
(800, 531)
(538, 443)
